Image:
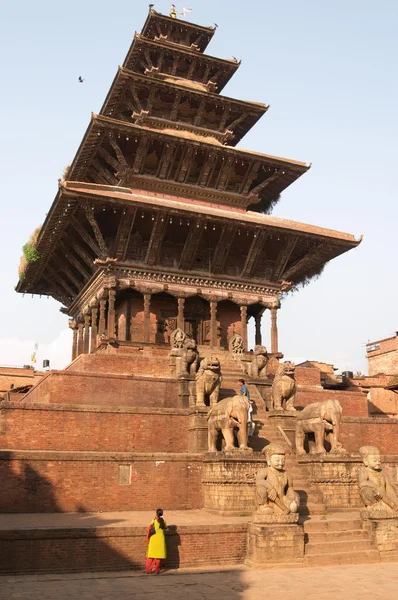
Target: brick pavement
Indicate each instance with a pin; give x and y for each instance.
(353, 582)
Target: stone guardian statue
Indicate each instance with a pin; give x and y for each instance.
(375, 488)
(274, 487)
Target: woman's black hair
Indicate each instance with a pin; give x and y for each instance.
(159, 512)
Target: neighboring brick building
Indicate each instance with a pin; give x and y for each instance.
(12, 378)
(383, 356)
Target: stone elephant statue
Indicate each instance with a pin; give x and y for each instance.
(208, 381)
(319, 418)
(225, 416)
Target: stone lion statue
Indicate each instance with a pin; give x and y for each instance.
(225, 416)
(189, 356)
(283, 388)
(259, 362)
(208, 381)
(320, 419)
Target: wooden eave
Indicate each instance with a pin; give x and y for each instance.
(155, 18)
(100, 125)
(254, 110)
(226, 67)
(324, 244)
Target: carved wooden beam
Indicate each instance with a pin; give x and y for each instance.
(185, 164)
(206, 73)
(175, 65)
(208, 163)
(227, 110)
(148, 58)
(97, 231)
(261, 186)
(137, 101)
(310, 260)
(97, 176)
(176, 104)
(225, 172)
(62, 266)
(118, 152)
(140, 154)
(86, 237)
(254, 253)
(58, 293)
(199, 114)
(250, 177)
(151, 99)
(156, 239)
(56, 275)
(223, 247)
(109, 178)
(191, 245)
(161, 60)
(283, 258)
(191, 69)
(74, 261)
(124, 231)
(238, 120)
(109, 159)
(166, 160)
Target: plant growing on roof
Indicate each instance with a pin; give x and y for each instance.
(30, 253)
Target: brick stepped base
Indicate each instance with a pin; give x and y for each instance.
(338, 538)
(56, 543)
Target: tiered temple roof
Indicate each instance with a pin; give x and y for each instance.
(158, 189)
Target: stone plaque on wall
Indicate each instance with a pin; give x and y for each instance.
(124, 474)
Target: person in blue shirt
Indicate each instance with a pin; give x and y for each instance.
(244, 391)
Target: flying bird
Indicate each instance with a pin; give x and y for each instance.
(184, 11)
(80, 79)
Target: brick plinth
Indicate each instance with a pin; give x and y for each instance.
(228, 482)
(118, 548)
(274, 543)
(336, 477)
(92, 429)
(384, 529)
(33, 481)
(70, 387)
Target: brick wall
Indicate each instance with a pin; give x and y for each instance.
(33, 481)
(68, 387)
(354, 403)
(17, 377)
(384, 359)
(371, 431)
(94, 429)
(117, 548)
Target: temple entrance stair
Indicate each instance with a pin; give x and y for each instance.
(338, 538)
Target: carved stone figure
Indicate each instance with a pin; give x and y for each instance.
(284, 387)
(274, 487)
(319, 418)
(189, 356)
(259, 362)
(177, 339)
(375, 487)
(236, 344)
(226, 416)
(208, 381)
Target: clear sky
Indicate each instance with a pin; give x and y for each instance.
(329, 72)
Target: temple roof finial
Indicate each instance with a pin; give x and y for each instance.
(173, 12)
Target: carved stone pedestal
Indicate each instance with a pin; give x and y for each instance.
(274, 539)
(384, 527)
(185, 383)
(228, 482)
(198, 429)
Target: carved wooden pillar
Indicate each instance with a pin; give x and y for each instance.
(94, 329)
(102, 322)
(258, 330)
(213, 323)
(86, 344)
(111, 313)
(73, 326)
(274, 331)
(147, 317)
(80, 344)
(243, 323)
(180, 316)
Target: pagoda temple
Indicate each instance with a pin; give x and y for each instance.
(161, 221)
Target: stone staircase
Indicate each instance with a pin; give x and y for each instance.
(338, 539)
